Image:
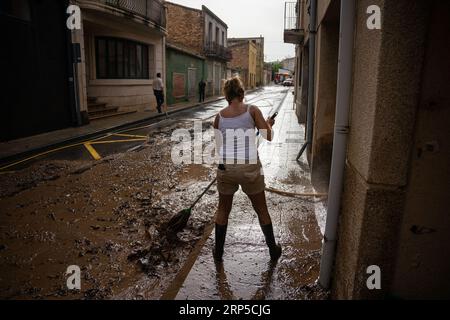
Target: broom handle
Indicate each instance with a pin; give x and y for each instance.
(201, 196)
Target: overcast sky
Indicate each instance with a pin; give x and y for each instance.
(251, 18)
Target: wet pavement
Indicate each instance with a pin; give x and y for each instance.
(108, 216)
(247, 272)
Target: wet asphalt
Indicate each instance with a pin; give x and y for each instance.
(247, 272)
(67, 208)
(267, 99)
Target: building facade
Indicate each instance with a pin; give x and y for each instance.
(259, 43)
(203, 34)
(289, 64)
(245, 57)
(267, 73)
(184, 72)
(122, 50)
(62, 77)
(386, 123)
(37, 92)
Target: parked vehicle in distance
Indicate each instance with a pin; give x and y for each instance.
(288, 83)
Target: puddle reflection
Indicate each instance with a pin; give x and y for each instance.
(226, 293)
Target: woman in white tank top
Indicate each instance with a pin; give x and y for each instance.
(235, 128)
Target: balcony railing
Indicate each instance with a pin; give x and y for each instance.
(290, 15)
(292, 31)
(152, 10)
(215, 50)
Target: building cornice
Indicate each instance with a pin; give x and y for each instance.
(184, 50)
(245, 39)
(181, 6)
(212, 14)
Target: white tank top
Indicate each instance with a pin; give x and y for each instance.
(238, 139)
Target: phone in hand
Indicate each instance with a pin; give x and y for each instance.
(274, 116)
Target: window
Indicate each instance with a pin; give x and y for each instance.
(121, 59)
(223, 38)
(210, 32)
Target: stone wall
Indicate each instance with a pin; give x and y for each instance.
(386, 81)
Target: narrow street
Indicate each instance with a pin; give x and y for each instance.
(111, 187)
(108, 214)
(247, 272)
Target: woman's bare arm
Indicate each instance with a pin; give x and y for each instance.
(216, 122)
(264, 126)
(217, 135)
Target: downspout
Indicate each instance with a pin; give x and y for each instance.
(74, 59)
(341, 130)
(311, 75)
(164, 69)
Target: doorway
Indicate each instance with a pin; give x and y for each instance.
(192, 82)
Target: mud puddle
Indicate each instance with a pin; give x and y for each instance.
(106, 217)
(247, 272)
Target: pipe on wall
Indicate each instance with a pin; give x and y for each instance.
(341, 130)
(311, 75)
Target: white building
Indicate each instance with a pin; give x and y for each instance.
(122, 50)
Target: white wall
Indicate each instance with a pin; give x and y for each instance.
(215, 24)
(127, 94)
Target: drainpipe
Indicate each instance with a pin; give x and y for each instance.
(341, 130)
(311, 75)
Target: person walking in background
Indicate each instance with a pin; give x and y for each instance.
(158, 90)
(201, 90)
(240, 164)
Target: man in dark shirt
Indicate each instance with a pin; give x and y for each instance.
(158, 90)
(201, 89)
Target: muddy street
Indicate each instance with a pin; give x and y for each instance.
(247, 272)
(109, 217)
(224, 161)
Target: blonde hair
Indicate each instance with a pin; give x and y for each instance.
(234, 88)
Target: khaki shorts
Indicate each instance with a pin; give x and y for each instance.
(248, 176)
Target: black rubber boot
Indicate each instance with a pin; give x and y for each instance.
(221, 232)
(274, 249)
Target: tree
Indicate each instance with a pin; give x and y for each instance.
(276, 66)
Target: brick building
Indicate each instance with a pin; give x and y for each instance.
(185, 59)
(199, 33)
(259, 43)
(244, 62)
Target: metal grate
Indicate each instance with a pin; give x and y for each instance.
(291, 11)
(149, 9)
(213, 49)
